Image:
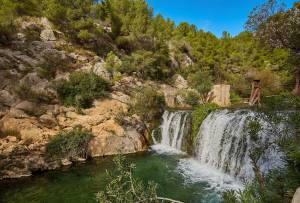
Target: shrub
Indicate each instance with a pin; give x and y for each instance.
(69, 144)
(149, 104)
(191, 98)
(198, 116)
(202, 82)
(81, 89)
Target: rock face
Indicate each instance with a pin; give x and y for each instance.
(296, 198)
(30, 114)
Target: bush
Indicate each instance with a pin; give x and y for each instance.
(191, 98)
(148, 103)
(198, 116)
(69, 144)
(81, 89)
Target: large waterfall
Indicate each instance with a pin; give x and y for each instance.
(222, 142)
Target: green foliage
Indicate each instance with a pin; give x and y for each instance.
(124, 188)
(202, 82)
(69, 144)
(112, 63)
(148, 103)
(147, 65)
(198, 116)
(81, 89)
(248, 195)
(191, 98)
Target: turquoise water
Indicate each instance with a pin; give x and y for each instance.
(78, 184)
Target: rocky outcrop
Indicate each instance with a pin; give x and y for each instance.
(30, 114)
(296, 198)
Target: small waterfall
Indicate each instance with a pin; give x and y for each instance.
(223, 143)
(174, 128)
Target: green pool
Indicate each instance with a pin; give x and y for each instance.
(79, 183)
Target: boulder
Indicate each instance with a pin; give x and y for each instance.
(47, 35)
(6, 98)
(26, 106)
(131, 142)
(48, 120)
(180, 82)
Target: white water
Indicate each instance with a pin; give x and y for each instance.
(173, 130)
(222, 150)
(224, 144)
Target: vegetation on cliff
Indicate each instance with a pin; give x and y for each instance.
(81, 89)
(69, 144)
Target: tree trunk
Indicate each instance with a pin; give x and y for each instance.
(296, 91)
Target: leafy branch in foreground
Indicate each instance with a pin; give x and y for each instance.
(123, 187)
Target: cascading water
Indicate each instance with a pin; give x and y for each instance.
(174, 130)
(223, 143)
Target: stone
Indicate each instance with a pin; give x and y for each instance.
(99, 70)
(180, 82)
(6, 98)
(47, 35)
(11, 139)
(296, 198)
(31, 134)
(32, 79)
(66, 162)
(26, 106)
(48, 120)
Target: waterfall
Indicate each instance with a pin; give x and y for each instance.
(224, 144)
(173, 130)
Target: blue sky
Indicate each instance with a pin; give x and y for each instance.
(215, 16)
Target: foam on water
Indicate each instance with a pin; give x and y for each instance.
(165, 149)
(194, 172)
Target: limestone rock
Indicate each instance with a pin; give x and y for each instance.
(6, 98)
(48, 120)
(47, 35)
(296, 198)
(26, 106)
(180, 82)
(99, 70)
